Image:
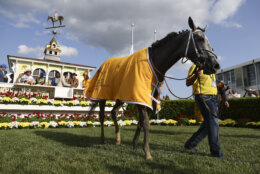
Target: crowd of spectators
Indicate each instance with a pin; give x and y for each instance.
(66, 80)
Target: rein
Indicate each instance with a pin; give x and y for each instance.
(191, 37)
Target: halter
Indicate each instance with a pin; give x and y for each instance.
(191, 37)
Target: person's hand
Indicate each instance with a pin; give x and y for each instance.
(198, 73)
(227, 104)
(5, 77)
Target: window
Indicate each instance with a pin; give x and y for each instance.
(229, 78)
(219, 77)
(54, 46)
(69, 74)
(52, 74)
(258, 72)
(50, 52)
(251, 76)
(56, 53)
(37, 72)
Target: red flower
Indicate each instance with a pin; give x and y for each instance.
(23, 120)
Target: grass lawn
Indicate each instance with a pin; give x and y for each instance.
(78, 150)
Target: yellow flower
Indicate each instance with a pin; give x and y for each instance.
(89, 122)
(4, 125)
(84, 103)
(62, 123)
(228, 122)
(25, 101)
(44, 125)
(57, 103)
(6, 99)
(76, 123)
(192, 121)
(24, 124)
(109, 103)
(170, 122)
(128, 123)
(70, 102)
(41, 101)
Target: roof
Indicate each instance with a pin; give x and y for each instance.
(53, 40)
(49, 61)
(239, 65)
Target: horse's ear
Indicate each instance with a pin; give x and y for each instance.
(191, 24)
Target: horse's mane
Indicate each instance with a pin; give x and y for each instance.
(169, 36)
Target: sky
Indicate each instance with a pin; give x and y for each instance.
(98, 30)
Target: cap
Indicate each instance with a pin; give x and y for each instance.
(28, 70)
(3, 65)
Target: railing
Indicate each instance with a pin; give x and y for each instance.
(45, 90)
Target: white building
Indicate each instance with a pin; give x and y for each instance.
(243, 76)
(49, 65)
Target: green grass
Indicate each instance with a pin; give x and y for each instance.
(78, 150)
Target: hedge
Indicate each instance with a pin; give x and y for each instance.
(240, 108)
(243, 108)
(172, 109)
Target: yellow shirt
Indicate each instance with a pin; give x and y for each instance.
(207, 85)
(86, 83)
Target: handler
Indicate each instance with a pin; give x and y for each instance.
(205, 91)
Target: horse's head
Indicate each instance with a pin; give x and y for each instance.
(199, 50)
(49, 17)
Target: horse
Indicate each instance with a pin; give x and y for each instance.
(60, 18)
(161, 55)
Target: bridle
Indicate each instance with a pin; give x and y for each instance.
(197, 63)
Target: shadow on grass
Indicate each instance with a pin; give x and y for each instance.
(154, 131)
(69, 139)
(76, 140)
(241, 136)
(87, 141)
(152, 167)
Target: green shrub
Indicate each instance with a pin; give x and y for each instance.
(172, 109)
(243, 108)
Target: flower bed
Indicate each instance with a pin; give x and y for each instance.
(38, 99)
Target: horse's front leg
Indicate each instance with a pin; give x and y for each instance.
(146, 126)
(101, 119)
(114, 113)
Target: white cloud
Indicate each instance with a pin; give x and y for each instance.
(21, 20)
(220, 58)
(68, 51)
(224, 9)
(106, 24)
(38, 51)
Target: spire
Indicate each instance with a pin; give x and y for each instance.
(52, 50)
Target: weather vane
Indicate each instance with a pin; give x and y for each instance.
(54, 19)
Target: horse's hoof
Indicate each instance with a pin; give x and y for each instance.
(149, 157)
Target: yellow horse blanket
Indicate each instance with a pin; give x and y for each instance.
(130, 79)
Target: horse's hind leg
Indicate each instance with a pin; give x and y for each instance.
(93, 106)
(114, 113)
(101, 118)
(138, 129)
(146, 126)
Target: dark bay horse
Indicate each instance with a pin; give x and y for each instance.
(163, 54)
(60, 19)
